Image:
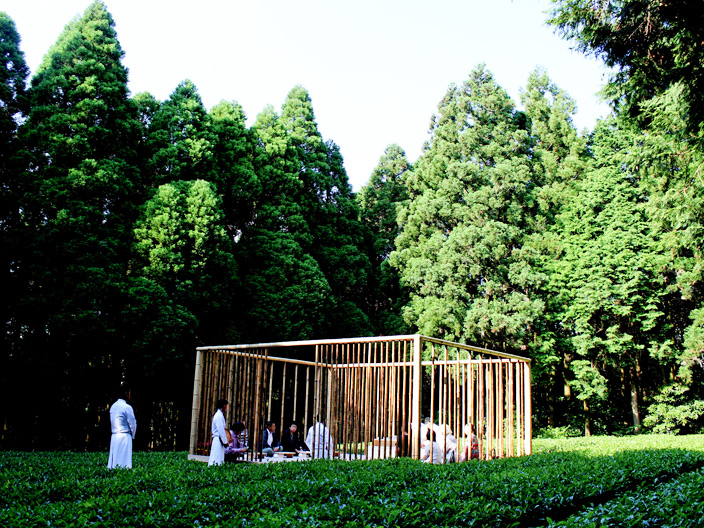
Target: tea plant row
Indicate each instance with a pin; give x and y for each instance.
(578, 481)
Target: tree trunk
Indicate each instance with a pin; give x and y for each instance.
(635, 384)
(630, 384)
(587, 420)
(634, 408)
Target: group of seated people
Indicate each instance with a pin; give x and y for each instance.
(439, 445)
(290, 441)
(270, 443)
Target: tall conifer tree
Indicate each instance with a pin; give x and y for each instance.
(80, 138)
(13, 108)
(461, 249)
(611, 264)
(558, 158)
(286, 294)
(331, 213)
(380, 201)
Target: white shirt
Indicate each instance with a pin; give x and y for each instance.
(122, 418)
(438, 455)
(318, 440)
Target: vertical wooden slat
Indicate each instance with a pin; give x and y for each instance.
(386, 402)
(527, 413)
(464, 406)
(334, 395)
(257, 387)
(472, 398)
(510, 408)
(415, 408)
(367, 399)
(394, 402)
(328, 386)
(444, 404)
(268, 413)
(357, 424)
(489, 384)
(345, 407)
(376, 385)
(307, 415)
(283, 400)
(458, 404)
(318, 394)
(499, 408)
(519, 398)
(351, 398)
(404, 441)
(295, 398)
(481, 432)
(432, 399)
(238, 395)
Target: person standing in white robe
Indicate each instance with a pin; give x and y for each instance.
(318, 440)
(220, 435)
(124, 427)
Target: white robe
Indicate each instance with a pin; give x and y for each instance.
(217, 447)
(318, 441)
(124, 427)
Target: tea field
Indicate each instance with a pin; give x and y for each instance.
(648, 480)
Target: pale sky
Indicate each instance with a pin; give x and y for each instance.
(375, 69)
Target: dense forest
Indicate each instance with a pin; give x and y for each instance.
(133, 230)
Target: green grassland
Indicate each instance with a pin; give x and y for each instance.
(648, 480)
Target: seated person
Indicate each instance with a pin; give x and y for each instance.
(319, 439)
(291, 440)
(449, 442)
(438, 454)
(270, 440)
(471, 446)
(236, 448)
(427, 424)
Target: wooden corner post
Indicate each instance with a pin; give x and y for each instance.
(196, 406)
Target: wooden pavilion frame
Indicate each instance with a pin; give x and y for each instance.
(371, 393)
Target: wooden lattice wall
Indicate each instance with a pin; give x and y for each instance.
(371, 392)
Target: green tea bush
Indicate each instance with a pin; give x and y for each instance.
(563, 432)
(165, 489)
(677, 503)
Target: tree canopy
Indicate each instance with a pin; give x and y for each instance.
(135, 229)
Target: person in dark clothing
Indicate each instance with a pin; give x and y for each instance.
(270, 440)
(291, 440)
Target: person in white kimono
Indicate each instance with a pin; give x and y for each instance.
(318, 440)
(220, 435)
(124, 427)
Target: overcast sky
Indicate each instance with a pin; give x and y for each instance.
(375, 69)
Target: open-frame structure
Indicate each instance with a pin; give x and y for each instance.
(371, 392)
